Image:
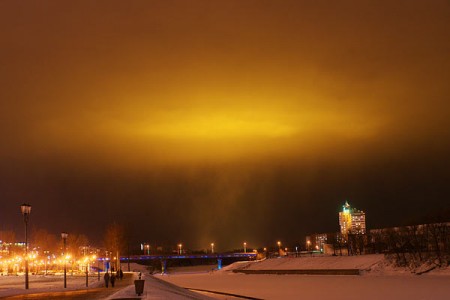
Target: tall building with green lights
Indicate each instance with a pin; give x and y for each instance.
(352, 220)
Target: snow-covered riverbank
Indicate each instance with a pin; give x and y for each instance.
(377, 282)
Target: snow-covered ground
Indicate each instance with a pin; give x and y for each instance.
(361, 262)
(320, 286)
(379, 283)
(192, 269)
(155, 288)
(14, 285)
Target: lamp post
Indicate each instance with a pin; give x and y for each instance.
(279, 247)
(64, 237)
(245, 247)
(179, 247)
(98, 269)
(26, 210)
(87, 271)
(212, 247)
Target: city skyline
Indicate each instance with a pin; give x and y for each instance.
(223, 121)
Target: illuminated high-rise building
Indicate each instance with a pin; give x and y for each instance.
(352, 220)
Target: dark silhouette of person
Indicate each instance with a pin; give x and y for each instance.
(106, 278)
(113, 279)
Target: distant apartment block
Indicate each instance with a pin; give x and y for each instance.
(317, 241)
(352, 220)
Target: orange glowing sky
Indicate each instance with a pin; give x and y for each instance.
(246, 74)
(145, 84)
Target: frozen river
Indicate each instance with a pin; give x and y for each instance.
(367, 287)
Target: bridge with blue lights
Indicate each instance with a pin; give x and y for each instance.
(170, 257)
(136, 258)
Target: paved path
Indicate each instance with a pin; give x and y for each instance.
(155, 288)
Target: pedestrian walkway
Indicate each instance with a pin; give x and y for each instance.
(155, 288)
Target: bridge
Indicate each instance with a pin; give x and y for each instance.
(136, 258)
(164, 258)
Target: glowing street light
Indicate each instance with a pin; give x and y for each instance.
(146, 247)
(308, 244)
(26, 210)
(64, 236)
(245, 247)
(212, 247)
(279, 245)
(179, 247)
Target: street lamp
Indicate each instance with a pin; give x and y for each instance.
(212, 247)
(26, 210)
(64, 237)
(245, 247)
(86, 261)
(308, 243)
(279, 247)
(179, 247)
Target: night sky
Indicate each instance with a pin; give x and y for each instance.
(222, 121)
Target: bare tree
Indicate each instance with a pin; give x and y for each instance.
(75, 243)
(115, 241)
(7, 236)
(438, 233)
(44, 240)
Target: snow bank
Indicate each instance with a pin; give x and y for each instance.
(360, 262)
(383, 282)
(319, 287)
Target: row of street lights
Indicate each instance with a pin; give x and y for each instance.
(146, 247)
(26, 211)
(180, 246)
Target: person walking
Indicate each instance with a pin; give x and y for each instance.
(106, 278)
(113, 279)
